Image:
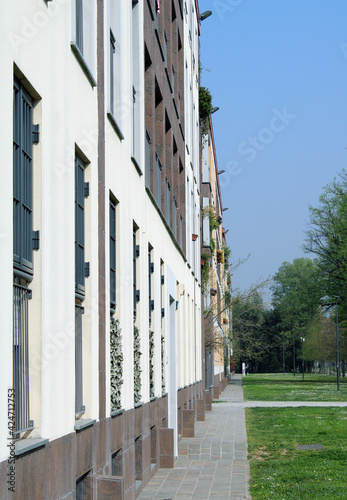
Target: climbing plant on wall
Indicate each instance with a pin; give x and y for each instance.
(116, 354)
(151, 364)
(137, 365)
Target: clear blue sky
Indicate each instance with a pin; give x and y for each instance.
(277, 69)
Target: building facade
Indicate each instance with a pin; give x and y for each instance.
(100, 244)
(216, 279)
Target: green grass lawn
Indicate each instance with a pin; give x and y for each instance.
(279, 387)
(279, 470)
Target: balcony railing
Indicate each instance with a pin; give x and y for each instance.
(21, 296)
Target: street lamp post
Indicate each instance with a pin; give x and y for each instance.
(337, 348)
(303, 366)
(294, 351)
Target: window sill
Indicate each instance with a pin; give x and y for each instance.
(117, 412)
(83, 424)
(139, 404)
(82, 62)
(26, 445)
(137, 166)
(115, 126)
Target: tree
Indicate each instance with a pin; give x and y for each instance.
(248, 338)
(297, 292)
(326, 237)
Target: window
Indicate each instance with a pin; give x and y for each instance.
(148, 159)
(112, 256)
(79, 408)
(175, 208)
(158, 169)
(136, 254)
(168, 202)
(136, 25)
(79, 24)
(150, 272)
(24, 135)
(180, 230)
(81, 192)
(22, 180)
(112, 68)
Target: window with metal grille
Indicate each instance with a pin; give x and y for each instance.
(175, 208)
(81, 191)
(168, 201)
(112, 64)
(20, 342)
(79, 408)
(148, 159)
(180, 230)
(112, 255)
(79, 24)
(158, 170)
(22, 181)
(136, 254)
(150, 272)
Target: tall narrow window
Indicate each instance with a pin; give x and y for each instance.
(136, 254)
(22, 180)
(112, 256)
(150, 272)
(81, 191)
(158, 169)
(112, 63)
(168, 201)
(79, 408)
(175, 208)
(79, 24)
(23, 138)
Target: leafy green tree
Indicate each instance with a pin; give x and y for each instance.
(248, 338)
(326, 237)
(296, 292)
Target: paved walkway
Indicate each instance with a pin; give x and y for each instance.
(213, 465)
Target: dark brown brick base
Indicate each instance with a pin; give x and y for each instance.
(51, 471)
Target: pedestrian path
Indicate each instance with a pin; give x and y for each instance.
(213, 465)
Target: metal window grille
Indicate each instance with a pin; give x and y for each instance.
(79, 408)
(79, 227)
(180, 230)
(168, 201)
(22, 180)
(134, 122)
(112, 56)
(79, 24)
(134, 273)
(21, 296)
(148, 159)
(158, 180)
(112, 255)
(150, 270)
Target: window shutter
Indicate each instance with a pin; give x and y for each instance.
(36, 240)
(36, 134)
